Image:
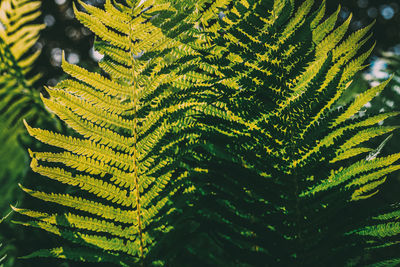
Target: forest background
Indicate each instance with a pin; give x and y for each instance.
(64, 33)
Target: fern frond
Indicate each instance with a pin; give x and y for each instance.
(18, 98)
(296, 164)
(18, 32)
(360, 101)
(122, 160)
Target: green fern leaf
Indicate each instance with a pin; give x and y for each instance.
(286, 169)
(122, 160)
(19, 99)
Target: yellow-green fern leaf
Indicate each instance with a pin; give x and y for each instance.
(122, 161)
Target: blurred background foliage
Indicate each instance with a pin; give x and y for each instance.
(64, 33)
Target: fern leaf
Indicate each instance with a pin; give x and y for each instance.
(18, 97)
(360, 101)
(122, 159)
(294, 171)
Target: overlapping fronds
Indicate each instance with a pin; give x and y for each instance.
(296, 168)
(18, 99)
(123, 160)
(215, 128)
(18, 32)
(18, 35)
(386, 64)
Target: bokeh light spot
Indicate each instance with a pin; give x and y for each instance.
(390, 103)
(49, 20)
(362, 3)
(96, 55)
(344, 13)
(60, 2)
(396, 49)
(387, 12)
(56, 56)
(372, 12)
(377, 69)
(73, 58)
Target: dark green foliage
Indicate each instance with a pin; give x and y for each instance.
(19, 99)
(287, 173)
